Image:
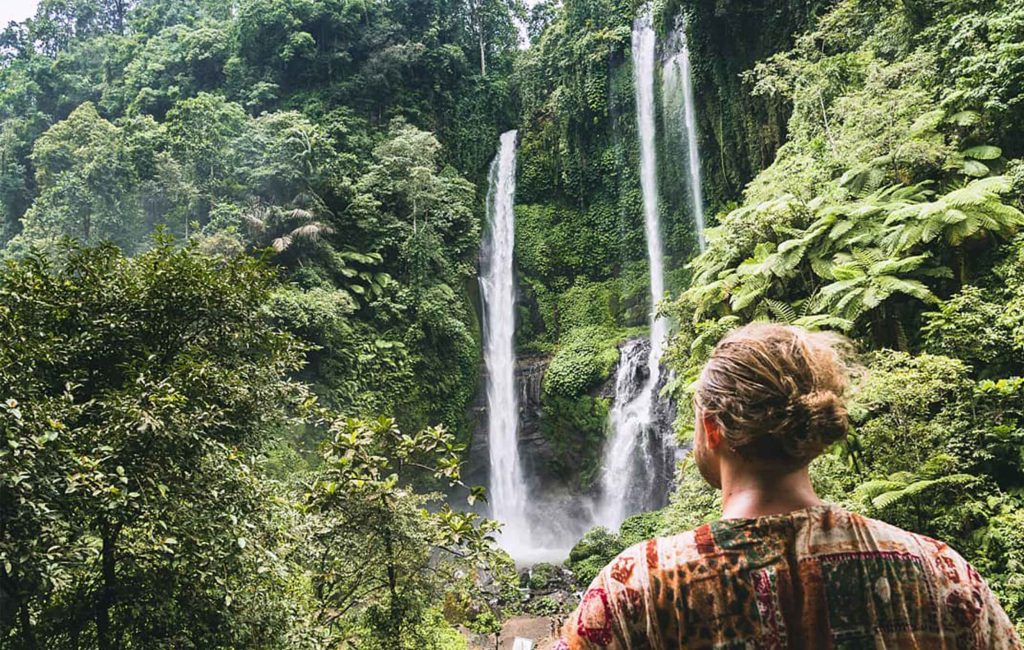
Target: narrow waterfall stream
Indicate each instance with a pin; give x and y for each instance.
(508, 489)
(677, 99)
(628, 456)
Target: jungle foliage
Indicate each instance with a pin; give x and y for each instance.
(238, 294)
(238, 239)
(891, 214)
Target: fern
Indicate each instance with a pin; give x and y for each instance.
(783, 312)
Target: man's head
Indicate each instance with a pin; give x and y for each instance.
(769, 400)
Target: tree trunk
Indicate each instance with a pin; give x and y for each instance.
(483, 55)
(394, 629)
(879, 332)
(961, 268)
(28, 634)
(120, 11)
(105, 602)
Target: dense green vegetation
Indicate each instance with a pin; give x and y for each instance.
(167, 478)
(308, 127)
(239, 309)
(150, 497)
(890, 214)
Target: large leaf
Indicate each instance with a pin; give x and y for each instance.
(975, 168)
(824, 321)
(983, 152)
(965, 118)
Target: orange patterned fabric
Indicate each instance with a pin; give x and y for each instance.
(816, 578)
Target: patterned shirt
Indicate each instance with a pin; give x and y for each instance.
(816, 578)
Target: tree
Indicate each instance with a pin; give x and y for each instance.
(491, 23)
(14, 192)
(974, 211)
(87, 183)
(136, 392)
(281, 228)
(202, 132)
(410, 205)
(383, 556)
(59, 23)
(864, 279)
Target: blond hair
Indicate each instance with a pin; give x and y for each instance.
(778, 391)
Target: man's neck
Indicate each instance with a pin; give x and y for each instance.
(746, 495)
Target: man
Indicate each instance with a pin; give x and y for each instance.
(782, 569)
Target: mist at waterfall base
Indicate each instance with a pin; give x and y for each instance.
(541, 523)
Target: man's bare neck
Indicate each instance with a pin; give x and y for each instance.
(747, 495)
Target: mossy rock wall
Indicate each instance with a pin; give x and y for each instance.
(739, 133)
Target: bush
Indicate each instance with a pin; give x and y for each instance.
(584, 359)
(693, 503)
(591, 554)
(545, 606)
(541, 575)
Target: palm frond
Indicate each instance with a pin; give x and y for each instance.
(281, 243)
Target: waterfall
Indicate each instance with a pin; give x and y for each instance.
(677, 99)
(629, 457)
(508, 496)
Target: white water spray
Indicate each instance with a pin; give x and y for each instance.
(678, 102)
(508, 491)
(628, 457)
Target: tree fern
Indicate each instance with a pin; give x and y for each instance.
(961, 214)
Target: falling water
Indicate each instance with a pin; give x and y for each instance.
(677, 99)
(632, 458)
(629, 455)
(508, 494)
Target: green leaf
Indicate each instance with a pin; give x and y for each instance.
(964, 118)
(975, 168)
(983, 152)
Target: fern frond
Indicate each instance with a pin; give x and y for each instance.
(782, 311)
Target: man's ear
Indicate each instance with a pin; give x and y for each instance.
(712, 430)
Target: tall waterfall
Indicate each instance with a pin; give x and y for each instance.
(677, 99)
(629, 455)
(508, 495)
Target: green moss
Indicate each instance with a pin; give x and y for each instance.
(640, 527)
(574, 420)
(584, 359)
(575, 427)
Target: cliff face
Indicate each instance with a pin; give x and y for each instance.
(533, 446)
(739, 132)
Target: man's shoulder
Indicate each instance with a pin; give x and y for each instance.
(824, 532)
(668, 551)
(895, 537)
(631, 566)
(857, 538)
